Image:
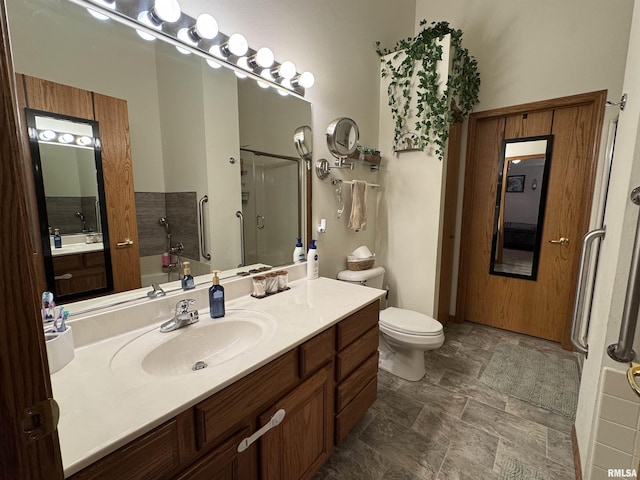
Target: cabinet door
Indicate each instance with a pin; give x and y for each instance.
(297, 447)
(224, 462)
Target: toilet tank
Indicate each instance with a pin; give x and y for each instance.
(371, 277)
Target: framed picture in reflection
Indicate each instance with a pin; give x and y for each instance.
(515, 183)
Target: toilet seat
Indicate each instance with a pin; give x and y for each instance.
(409, 322)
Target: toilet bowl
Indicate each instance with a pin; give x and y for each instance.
(404, 334)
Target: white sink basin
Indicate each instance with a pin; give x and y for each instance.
(212, 341)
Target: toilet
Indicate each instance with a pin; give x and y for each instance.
(404, 334)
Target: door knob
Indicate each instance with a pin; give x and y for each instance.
(634, 370)
(561, 241)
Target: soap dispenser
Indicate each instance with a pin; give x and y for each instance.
(57, 239)
(187, 279)
(312, 261)
(216, 297)
(298, 252)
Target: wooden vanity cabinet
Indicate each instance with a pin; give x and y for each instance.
(87, 272)
(324, 385)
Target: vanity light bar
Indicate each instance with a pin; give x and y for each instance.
(46, 135)
(230, 51)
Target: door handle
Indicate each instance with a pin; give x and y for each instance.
(560, 241)
(276, 420)
(260, 221)
(127, 242)
(632, 373)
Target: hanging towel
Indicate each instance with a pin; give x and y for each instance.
(358, 217)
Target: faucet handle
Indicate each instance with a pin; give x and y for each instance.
(183, 305)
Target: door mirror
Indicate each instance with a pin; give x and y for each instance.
(67, 168)
(523, 174)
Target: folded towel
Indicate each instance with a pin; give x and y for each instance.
(358, 217)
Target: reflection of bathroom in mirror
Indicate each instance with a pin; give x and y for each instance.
(523, 174)
(187, 124)
(69, 185)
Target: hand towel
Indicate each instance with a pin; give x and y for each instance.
(358, 217)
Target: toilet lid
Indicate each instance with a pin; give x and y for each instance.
(410, 322)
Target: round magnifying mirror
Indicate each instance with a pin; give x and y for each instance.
(342, 137)
(303, 142)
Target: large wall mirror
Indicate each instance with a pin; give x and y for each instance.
(195, 131)
(523, 174)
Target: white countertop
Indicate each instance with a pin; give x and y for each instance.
(102, 410)
(76, 248)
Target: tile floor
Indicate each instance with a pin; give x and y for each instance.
(449, 426)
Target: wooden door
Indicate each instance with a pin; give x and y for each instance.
(24, 373)
(297, 447)
(117, 170)
(541, 307)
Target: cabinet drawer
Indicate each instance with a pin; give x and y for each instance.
(352, 327)
(218, 415)
(224, 462)
(316, 352)
(93, 259)
(65, 263)
(353, 412)
(154, 456)
(351, 386)
(351, 357)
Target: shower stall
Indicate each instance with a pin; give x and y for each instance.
(270, 206)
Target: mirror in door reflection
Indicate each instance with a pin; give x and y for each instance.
(67, 168)
(523, 175)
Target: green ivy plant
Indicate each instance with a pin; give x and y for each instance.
(436, 111)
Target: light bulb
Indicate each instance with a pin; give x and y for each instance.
(239, 75)
(282, 93)
(262, 84)
(266, 74)
(216, 51)
(65, 138)
(237, 45)
(111, 4)
(47, 135)
(306, 80)
(286, 84)
(84, 141)
(205, 27)
(183, 36)
(243, 63)
(287, 70)
(166, 11)
(143, 17)
(264, 57)
(213, 64)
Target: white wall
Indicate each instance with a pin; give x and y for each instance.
(334, 40)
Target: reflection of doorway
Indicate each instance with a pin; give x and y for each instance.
(270, 200)
(540, 308)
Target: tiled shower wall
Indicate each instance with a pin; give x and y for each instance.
(618, 430)
(61, 213)
(181, 211)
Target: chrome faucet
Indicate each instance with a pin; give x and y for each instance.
(156, 291)
(182, 318)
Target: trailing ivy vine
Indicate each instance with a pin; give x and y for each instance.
(435, 111)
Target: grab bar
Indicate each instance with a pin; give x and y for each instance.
(579, 341)
(203, 246)
(621, 351)
(241, 217)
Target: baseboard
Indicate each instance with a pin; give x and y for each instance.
(576, 453)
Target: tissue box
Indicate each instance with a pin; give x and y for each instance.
(60, 348)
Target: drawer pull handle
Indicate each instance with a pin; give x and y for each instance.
(66, 276)
(276, 420)
(634, 370)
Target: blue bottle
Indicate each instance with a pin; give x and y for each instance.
(57, 239)
(187, 279)
(216, 297)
